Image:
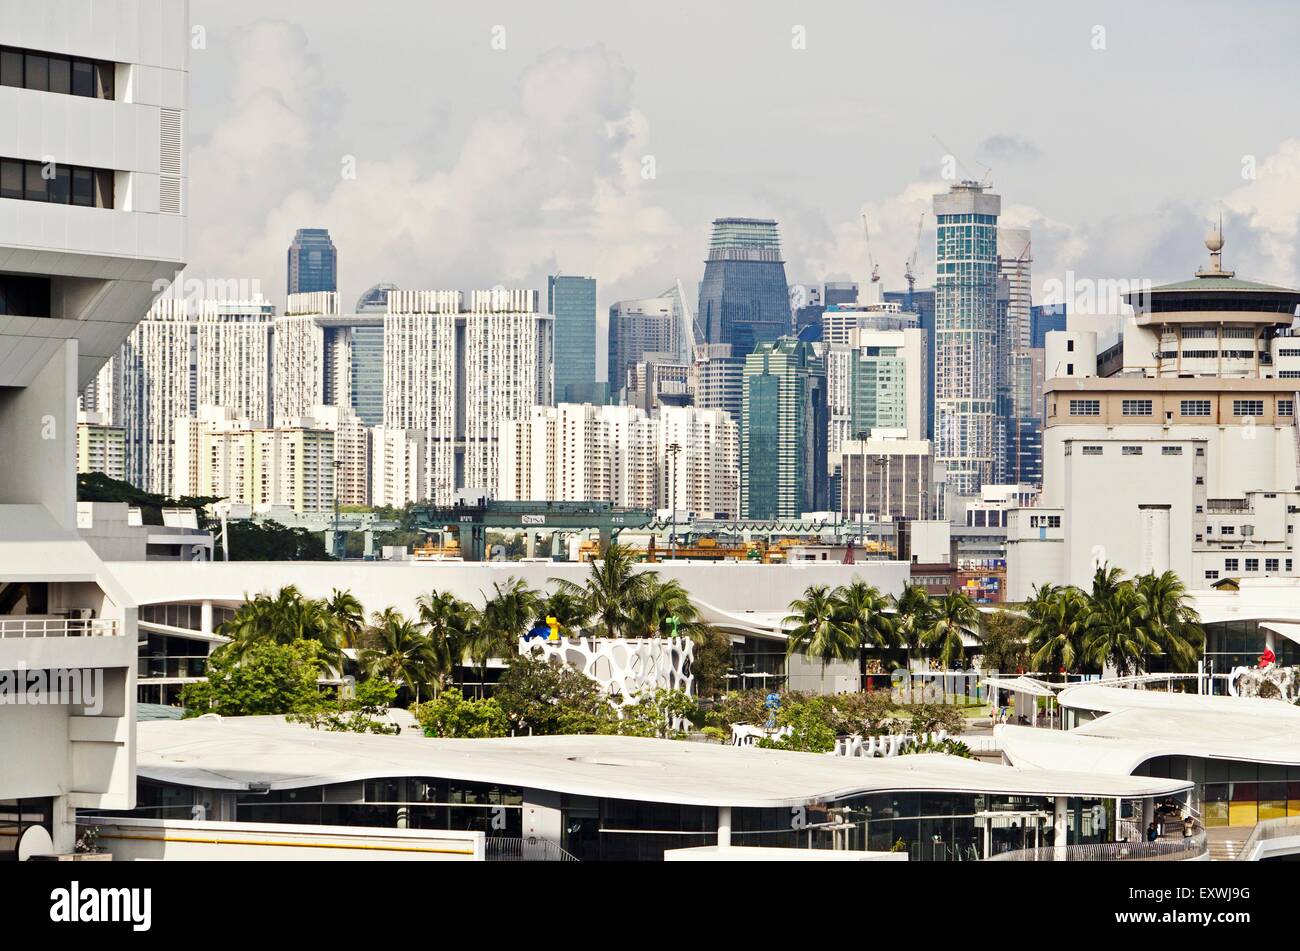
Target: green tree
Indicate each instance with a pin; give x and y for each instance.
(1005, 642)
(953, 618)
(349, 614)
(1059, 621)
(613, 590)
(267, 678)
(283, 619)
(450, 715)
(1171, 621)
(1118, 633)
(543, 699)
(399, 652)
(449, 624)
(913, 616)
(815, 627)
(506, 617)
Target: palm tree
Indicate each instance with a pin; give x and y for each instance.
(400, 652)
(1105, 582)
(567, 606)
(1118, 632)
(612, 589)
(913, 613)
(863, 610)
(663, 609)
(283, 619)
(814, 627)
(505, 617)
(1171, 621)
(448, 622)
(349, 613)
(1059, 620)
(953, 617)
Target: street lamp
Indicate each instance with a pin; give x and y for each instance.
(673, 449)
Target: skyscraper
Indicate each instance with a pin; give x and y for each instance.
(921, 303)
(313, 262)
(1019, 421)
(783, 431)
(966, 333)
(326, 358)
(637, 328)
(572, 302)
(744, 299)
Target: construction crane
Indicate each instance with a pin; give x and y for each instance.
(875, 268)
(909, 266)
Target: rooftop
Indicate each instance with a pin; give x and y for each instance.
(231, 753)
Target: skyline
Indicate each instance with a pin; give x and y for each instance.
(525, 176)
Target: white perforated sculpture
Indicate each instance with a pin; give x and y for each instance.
(624, 667)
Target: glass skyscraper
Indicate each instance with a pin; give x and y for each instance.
(966, 334)
(572, 301)
(921, 303)
(744, 299)
(313, 262)
(783, 431)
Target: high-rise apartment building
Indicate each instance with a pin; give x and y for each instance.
(454, 374)
(966, 334)
(325, 358)
(744, 299)
(92, 225)
(783, 431)
(640, 327)
(920, 301)
(622, 455)
(571, 302)
(313, 263)
(717, 378)
(100, 447)
(876, 381)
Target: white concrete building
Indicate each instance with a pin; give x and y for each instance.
(100, 447)
(876, 379)
(621, 454)
(1183, 456)
(84, 250)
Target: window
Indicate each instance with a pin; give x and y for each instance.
(1069, 369)
(1288, 564)
(60, 184)
(1136, 407)
(65, 75)
(1194, 407)
(1286, 407)
(1227, 529)
(1270, 564)
(1210, 575)
(1171, 450)
(1085, 407)
(1252, 564)
(1247, 407)
(1131, 451)
(1092, 450)
(1230, 564)
(1069, 346)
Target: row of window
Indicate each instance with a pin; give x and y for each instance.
(1140, 407)
(45, 72)
(1252, 565)
(1131, 450)
(61, 184)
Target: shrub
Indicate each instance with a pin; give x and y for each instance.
(450, 715)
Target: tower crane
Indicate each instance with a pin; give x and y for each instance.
(871, 260)
(909, 266)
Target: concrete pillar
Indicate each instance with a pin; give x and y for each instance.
(724, 827)
(64, 818)
(1148, 813)
(530, 544)
(1060, 826)
(205, 619)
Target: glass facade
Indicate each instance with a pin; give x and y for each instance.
(572, 301)
(1234, 793)
(921, 303)
(368, 374)
(313, 262)
(744, 297)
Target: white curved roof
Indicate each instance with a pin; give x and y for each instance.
(1096, 696)
(231, 753)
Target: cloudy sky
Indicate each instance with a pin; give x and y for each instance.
(469, 144)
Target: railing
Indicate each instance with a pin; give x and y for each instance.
(1162, 850)
(173, 666)
(1265, 830)
(58, 627)
(530, 849)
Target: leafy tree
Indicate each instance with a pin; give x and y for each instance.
(449, 624)
(809, 731)
(1005, 641)
(711, 663)
(545, 699)
(567, 606)
(283, 619)
(450, 715)
(863, 610)
(656, 713)
(612, 591)
(361, 713)
(1118, 632)
(268, 540)
(267, 678)
(505, 618)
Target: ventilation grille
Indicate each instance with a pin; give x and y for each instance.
(169, 161)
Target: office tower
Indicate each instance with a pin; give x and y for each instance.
(1015, 427)
(639, 327)
(100, 447)
(84, 249)
(716, 379)
(658, 380)
(783, 431)
(183, 355)
(884, 478)
(966, 333)
(622, 455)
(838, 293)
(876, 381)
(571, 301)
(744, 300)
(1183, 457)
(453, 375)
(842, 319)
(806, 308)
(920, 301)
(313, 262)
(1044, 318)
(326, 358)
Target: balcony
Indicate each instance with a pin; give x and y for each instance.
(32, 626)
(172, 667)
